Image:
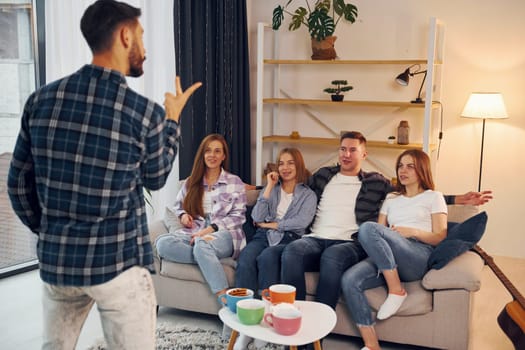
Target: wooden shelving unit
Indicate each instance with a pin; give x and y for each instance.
(297, 101)
(434, 59)
(374, 62)
(333, 141)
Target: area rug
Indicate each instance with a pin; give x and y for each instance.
(187, 338)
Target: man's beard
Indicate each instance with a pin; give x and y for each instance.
(135, 61)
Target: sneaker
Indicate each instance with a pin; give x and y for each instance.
(242, 342)
(259, 344)
(392, 303)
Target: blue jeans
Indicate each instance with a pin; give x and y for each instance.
(176, 247)
(387, 250)
(330, 257)
(259, 265)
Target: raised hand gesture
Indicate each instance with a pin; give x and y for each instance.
(175, 103)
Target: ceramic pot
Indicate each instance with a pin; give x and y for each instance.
(324, 49)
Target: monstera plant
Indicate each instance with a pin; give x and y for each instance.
(321, 18)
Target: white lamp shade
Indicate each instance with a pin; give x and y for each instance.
(485, 105)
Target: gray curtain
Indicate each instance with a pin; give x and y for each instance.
(211, 46)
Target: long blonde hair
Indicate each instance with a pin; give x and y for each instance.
(192, 203)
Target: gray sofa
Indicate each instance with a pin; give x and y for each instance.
(437, 312)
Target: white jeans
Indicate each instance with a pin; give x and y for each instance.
(127, 307)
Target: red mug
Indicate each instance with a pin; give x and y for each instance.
(284, 318)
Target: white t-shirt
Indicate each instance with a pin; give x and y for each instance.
(335, 217)
(415, 212)
(207, 204)
(286, 199)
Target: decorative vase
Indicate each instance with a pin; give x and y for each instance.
(402, 133)
(338, 98)
(324, 49)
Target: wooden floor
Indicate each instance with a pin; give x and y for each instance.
(21, 324)
(490, 300)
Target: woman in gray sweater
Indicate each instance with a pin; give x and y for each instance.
(285, 208)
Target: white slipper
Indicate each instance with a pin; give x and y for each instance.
(242, 342)
(366, 348)
(259, 344)
(392, 303)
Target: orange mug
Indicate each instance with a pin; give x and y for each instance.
(279, 293)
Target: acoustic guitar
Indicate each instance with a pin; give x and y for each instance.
(512, 318)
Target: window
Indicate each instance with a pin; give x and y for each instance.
(17, 67)
(18, 77)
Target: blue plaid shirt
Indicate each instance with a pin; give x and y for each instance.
(87, 147)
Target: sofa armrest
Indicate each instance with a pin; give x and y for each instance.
(464, 272)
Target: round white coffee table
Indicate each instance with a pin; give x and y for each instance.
(318, 320)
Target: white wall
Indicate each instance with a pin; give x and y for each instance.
(67, 51)
(483, 52)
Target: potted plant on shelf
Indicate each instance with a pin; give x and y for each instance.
(341, 86)
(321, 19)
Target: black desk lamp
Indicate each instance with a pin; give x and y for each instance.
(403, 79)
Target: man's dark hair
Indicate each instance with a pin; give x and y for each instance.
(100, 20)
(353, 135)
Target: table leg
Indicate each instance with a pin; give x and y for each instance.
(233, 338)
(293, 347)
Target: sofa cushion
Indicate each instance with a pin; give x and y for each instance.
(460, 213)
(460, 238)
(419, 299)
(171, 220)
(191, 272)
(251, 197)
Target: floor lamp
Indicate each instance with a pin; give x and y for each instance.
(484, 105)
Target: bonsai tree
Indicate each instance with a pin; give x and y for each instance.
(321, 19)
(341, 86)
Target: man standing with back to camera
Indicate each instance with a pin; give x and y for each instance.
(87, 147)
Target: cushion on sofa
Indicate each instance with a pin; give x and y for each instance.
(460, 238)
(460, 213)
(191, 272)
(419, 299)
